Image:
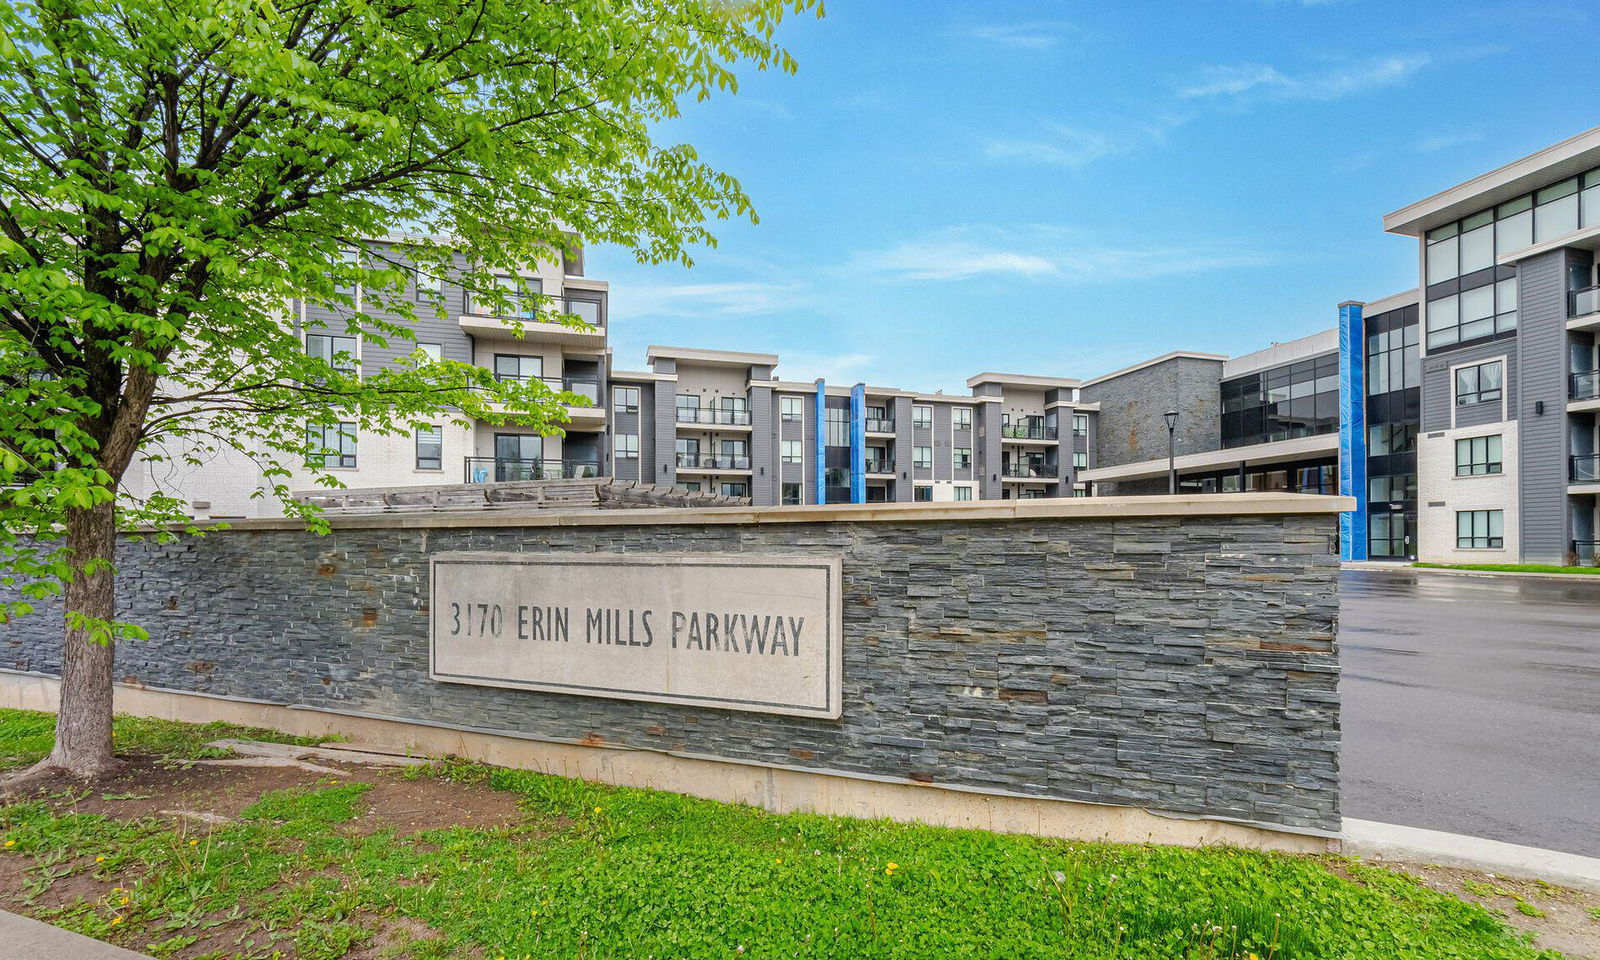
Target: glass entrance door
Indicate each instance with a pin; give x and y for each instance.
(518, 456)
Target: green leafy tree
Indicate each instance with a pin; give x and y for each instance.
(174, 174)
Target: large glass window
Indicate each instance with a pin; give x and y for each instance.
(515, 366)
(625, 399)
(332, 444)
(838, 430)
(1080, 460)
(922, 417)
(791, 494)
(1475, 243)
(793, 451)
(337, 352)
(791, 409)
(430, 447)
(1477, 456)
(962, 418)
(922, 494)
(922, 457)
(1480, 383)
(627, 446)
(1295, 400)
(1080, 424)
(1555, 211)
(963, 493)
(963, 458)
(521, 295)
(1480, 529)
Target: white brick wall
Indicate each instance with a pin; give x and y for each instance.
(1437, 483)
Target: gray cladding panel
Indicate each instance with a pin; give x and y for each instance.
(1542, 439)
(1439, 411)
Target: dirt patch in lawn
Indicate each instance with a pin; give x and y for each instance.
(1563, 919)
(202, 795)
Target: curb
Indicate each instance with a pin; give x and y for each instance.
(1367, 566)
(1389, 841)
(23, 938)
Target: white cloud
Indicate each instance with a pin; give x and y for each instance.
(1334, 81)
(837, 367)
(1036, 35)
(1044, 253)
(1445, 141)
(739, 298)
(1065, 145)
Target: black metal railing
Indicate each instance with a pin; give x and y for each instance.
(880, 425)
(880, 465)
(714, 416)
(695, 461)
(1584, 468)
(1586, 553)
(1584, 385)
(1584, 301)
(587, 388)
(1028, 431)
(505, 470)
(1028, 471)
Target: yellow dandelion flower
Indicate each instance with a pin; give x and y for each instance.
(193, 842)
(11, 843)
(99, 859)
(124, 901)
(115, 921)
(596, 809)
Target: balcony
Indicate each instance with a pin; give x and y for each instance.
(590, 416)
(528, 319)
(713, 417)
(880, 465)
(1028, 431)
(1586, 553)
(1584, 385)
(880, 425)
(1028, 471)
(1584, 468)
(501, 470)
(1583, 302)
(709, 464)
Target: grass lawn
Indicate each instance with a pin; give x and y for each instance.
(1511, 568)
(331, 867)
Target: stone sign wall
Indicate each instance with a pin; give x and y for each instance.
(1089, 650)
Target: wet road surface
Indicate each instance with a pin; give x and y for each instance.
(1472, 705)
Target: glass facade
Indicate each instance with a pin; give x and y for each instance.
(1297, 400)
(1393, 411)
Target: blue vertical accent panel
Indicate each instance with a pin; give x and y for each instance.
(822, 442)
(1352, 431)
(858, 443)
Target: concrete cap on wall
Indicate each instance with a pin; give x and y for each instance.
(1000, 511)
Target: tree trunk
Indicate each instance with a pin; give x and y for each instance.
(83, 724)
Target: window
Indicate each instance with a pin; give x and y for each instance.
(424, 286)
(333, 444)
(1080, 424)
(1080, 460)
(963, 493)
(791, 494)
(522, 295)
(586, 310)
(627, 446)
(515, 366)
(837, 432)
(922, 494)
(1477, 456)
(1392, 489)
(1478, 384)
(337, 352)
(962, 418)
(793, 451)
(1385, 438)
(963, 458)
(693, 486)
(735, 489)
(922, 457)
(432, 351)
(1480, 529)
(1472, 244)
(922, 417)
(791, 409)
(625, 399)
(430, 447)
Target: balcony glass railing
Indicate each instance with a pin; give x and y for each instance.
(1028, 471)
(1584, 385)
(880, 465)
(1586, 553)
(504, 470)
(529, 307)
(695, 461)
(1584, 468)
(714, 416)
(582, 386)
(1028, 431)
(1584, 302)
(880, 425)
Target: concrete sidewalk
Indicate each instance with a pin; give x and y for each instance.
(25, 939)
(1389, 841)
(1382, 567)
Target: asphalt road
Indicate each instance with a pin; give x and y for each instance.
(1472, 705)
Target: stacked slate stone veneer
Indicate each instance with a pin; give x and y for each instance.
(1178, 664)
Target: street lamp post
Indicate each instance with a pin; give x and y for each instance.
(1171, 416)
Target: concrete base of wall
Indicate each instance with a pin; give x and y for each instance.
(776, 788)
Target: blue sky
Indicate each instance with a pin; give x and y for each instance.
(1063, 188)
